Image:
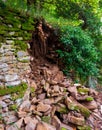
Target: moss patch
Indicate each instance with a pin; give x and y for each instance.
(13, 107)
(80, 108)
(1, 118)
(0, 45)
(32, 90)
(17, 95)
(63, 110)
(89, 98)
(83, 90)
(63, 128)
(24, 59)
(84, 128)
(20, 88)
(20, 45)
(46, 119)
(21, 24)
(83, 110)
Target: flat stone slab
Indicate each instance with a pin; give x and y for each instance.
(4, 70)
(9, 78)
(1, 51)
(7, 59)
(4, 65)
(6, 46)
(21, 54)
(3, 104)
(11, 33)
(14, 83)
(10, 119)
(24, 59)
(6, 97)
(9, 41)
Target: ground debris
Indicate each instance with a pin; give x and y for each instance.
(55, 104)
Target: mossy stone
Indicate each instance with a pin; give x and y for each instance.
(20, 45)
(83, 110)
(63, 110)
(46, 119)
(78, 107)
(63, 128)
(2, 32)
(12, 20)
(18, 95)
(89, 98)
(83, 90)
(1, 118)
(84, 128)
(13, 107)
(0, 45)
(32, 90)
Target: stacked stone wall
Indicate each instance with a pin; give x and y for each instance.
(13, 68)
(15, 33)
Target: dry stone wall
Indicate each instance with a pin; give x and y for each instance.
(15, 32)
(13, 67)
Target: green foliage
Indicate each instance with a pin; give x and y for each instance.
(18, 4)
(79, 55)
(68, 10)
(60, 22)
(87, 11)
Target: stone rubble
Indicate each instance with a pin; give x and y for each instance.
(53, 106)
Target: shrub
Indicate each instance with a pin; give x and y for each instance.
(79, 55)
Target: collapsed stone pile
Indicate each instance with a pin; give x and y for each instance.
(56, 104)
(13, 65)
